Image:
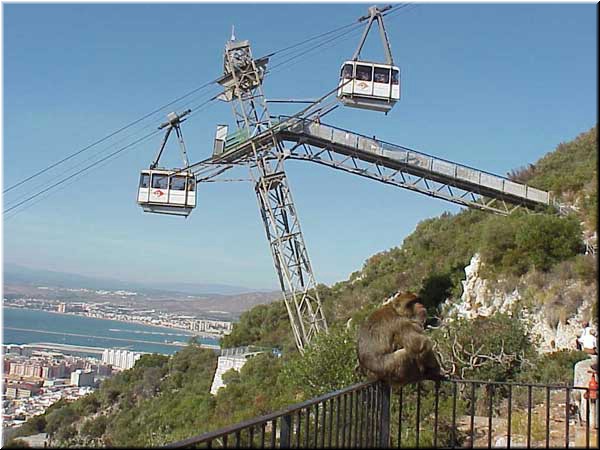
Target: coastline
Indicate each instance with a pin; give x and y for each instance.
(32, 326)
(138, 322)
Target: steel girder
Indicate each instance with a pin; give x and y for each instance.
(377, 170)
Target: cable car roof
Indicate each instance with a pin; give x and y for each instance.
(370, 63)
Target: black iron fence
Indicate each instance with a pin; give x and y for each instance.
(450, 414)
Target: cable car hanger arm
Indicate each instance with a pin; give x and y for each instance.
(375, 14)
(174, 121)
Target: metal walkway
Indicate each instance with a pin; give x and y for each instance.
(341, 149)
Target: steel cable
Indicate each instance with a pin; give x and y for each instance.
(353, 27)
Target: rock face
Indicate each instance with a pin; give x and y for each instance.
(480, 299)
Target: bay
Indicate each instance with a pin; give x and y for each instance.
(27, 326)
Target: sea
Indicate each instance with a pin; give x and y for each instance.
(28, 326)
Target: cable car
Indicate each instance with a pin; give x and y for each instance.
(168, 191)
(367, 85)
(370, 85)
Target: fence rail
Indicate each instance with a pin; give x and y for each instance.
(450, 414)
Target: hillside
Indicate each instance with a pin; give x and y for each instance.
(164, 399)
(432, 259)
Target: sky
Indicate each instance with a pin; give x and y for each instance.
(493, 86)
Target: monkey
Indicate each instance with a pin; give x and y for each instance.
(392, 345)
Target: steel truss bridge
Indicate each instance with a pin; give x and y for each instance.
(310, 140)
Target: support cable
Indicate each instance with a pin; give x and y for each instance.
(86, 168)
(135, 122)
(105, 159)
(99, 141)
(353, 27)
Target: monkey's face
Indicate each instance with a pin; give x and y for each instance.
(409, 305)
(420, 312)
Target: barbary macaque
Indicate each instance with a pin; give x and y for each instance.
(392, 345)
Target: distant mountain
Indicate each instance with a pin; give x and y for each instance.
(16, 274)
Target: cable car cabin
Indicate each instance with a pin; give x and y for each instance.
(371, 86)
(162, 192)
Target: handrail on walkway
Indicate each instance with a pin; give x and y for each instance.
(447, 414)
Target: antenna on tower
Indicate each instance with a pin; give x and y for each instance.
(233, 32)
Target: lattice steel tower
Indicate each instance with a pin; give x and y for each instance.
(242, 81)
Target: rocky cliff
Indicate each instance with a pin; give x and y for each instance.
(482, 297)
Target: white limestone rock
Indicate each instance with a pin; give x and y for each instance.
(479, 299)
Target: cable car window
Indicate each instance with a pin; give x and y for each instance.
(363, 73)
(395, 74)
(144, 180)
(178, 183)
(382, 75)
(159, 181)
(347, 71)
(191, 184)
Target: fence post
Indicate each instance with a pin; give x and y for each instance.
(384, 421)
(285, 435)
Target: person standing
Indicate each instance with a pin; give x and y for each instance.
(585, 332)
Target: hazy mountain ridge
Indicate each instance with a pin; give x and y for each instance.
(20, 275)
(187, 298)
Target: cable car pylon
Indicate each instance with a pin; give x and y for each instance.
(259, 143)
(242, 82)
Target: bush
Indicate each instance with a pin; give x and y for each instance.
(16, 443)
(328, 364)
(515, 244)
(553, 368)
(263, 325)
(94, 428)
(448, 434)
(34, 425)
(494, 348)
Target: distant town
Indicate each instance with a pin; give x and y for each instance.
(36, 377)
(108, 310)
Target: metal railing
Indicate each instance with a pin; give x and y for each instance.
(483, 414)
(450, 414)
(244, 350)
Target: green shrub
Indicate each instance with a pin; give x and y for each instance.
(553, 368)
(515, 244)
(263, 325)
(94, 428)
(34, 425)
(16, 443)
(494, 348)
(328, 364)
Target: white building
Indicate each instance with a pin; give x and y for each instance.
(232, 358)
(211, 326)
(123, 359)
(81, 378)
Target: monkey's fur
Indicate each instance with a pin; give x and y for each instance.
(392, 345)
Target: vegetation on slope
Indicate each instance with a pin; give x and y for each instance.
(570, 173)
(164, 399)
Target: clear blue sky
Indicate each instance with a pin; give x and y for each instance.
(494, 86)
